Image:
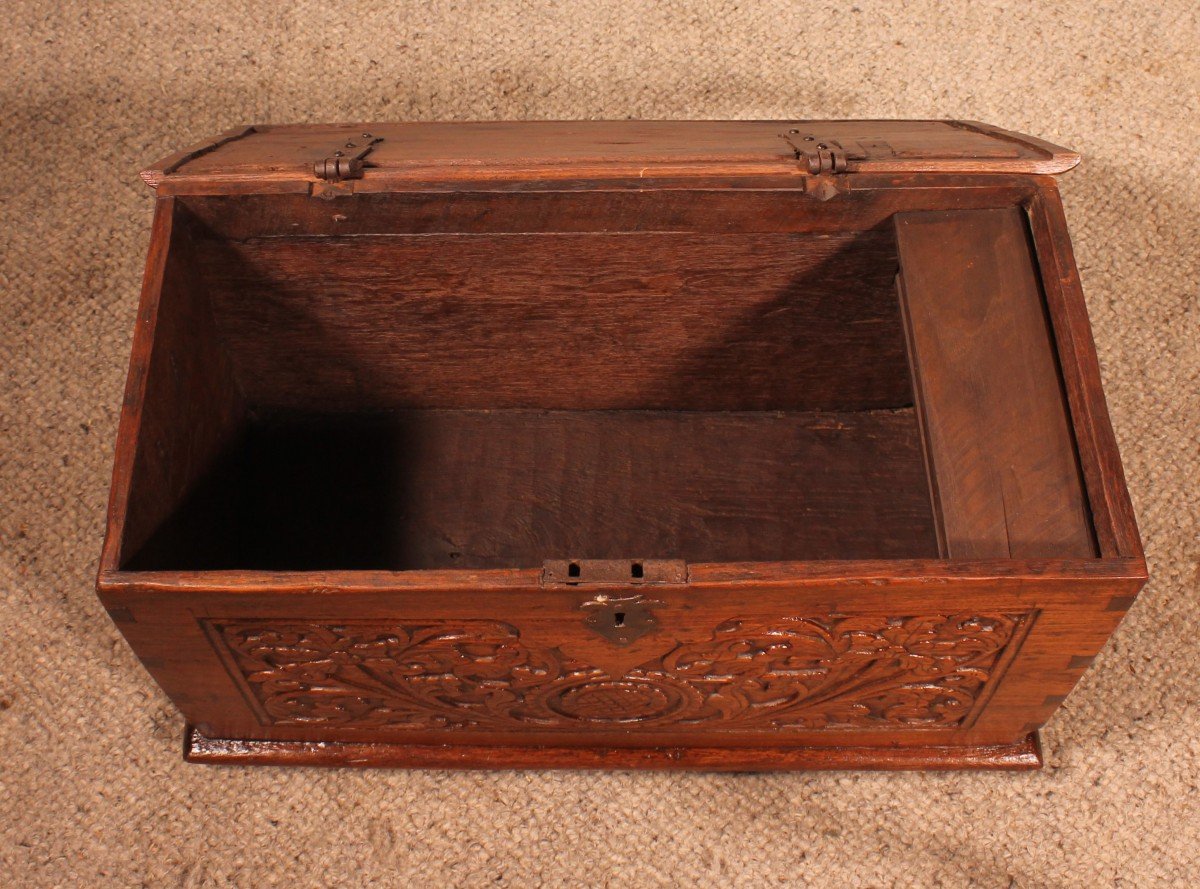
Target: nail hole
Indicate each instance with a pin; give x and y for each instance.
(619, 619)
(573, 569)
(636, 570)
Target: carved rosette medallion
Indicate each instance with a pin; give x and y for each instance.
(846, 672)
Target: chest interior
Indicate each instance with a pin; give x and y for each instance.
(492, 380)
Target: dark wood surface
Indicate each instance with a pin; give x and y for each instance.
(495, 489)
(778, 205)
(636, 320)
(1112, 512)
(1006, 476)
(181, 401)
(693, 269)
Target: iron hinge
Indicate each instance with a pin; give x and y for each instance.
(348, 161)
(818, 154)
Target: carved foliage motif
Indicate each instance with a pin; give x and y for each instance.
(852, 672)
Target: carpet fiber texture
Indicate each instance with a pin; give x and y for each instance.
(92, 788)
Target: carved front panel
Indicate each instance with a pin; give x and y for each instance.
(858, 672)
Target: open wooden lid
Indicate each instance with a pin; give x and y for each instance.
(383, 156)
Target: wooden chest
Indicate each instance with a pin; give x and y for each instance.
(721, 445)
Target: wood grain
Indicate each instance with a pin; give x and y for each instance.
(493, 489)
(725, 207)
(423, 152)
(185, 406)
(1006, 477)
(1112, 512)
(563, 321)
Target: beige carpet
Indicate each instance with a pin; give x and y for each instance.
(92, 789)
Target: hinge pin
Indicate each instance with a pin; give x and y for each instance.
(827, 156)
(339, 165)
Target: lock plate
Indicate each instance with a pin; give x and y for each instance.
(620, 619)
(614, 571)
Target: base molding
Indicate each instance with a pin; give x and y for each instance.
(199, 748)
